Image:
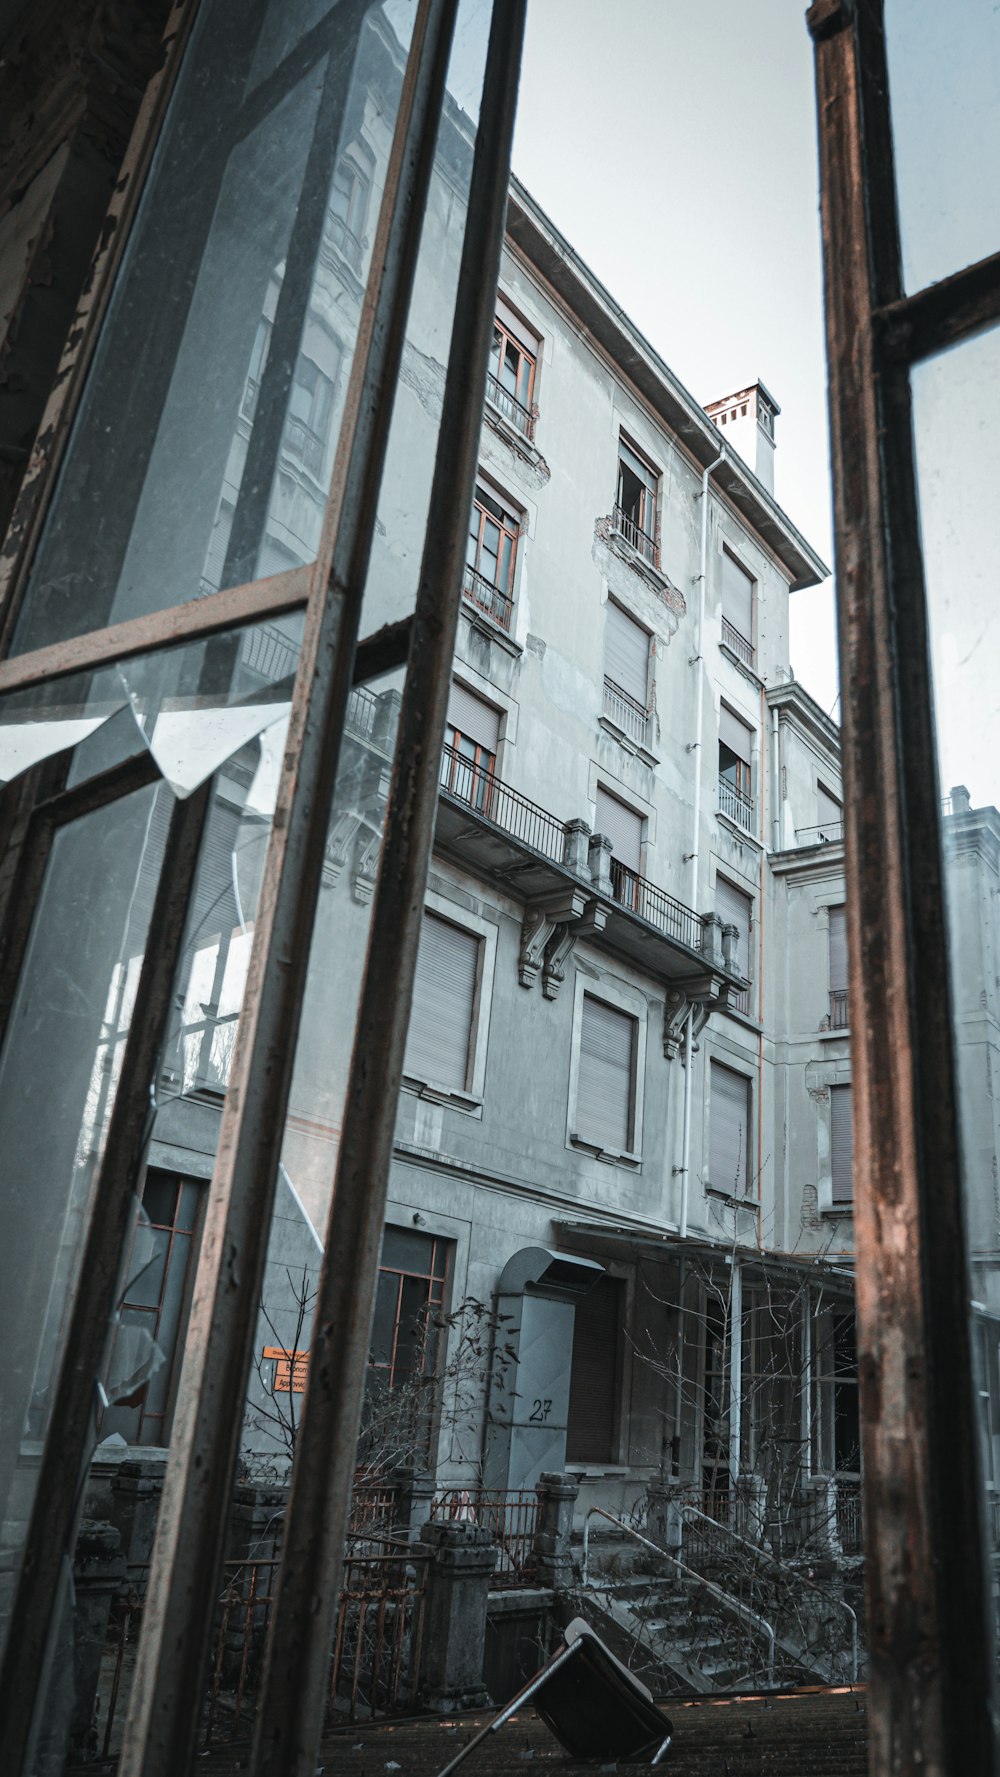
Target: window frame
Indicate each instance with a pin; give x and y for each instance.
(471, 1097)
(632, 1003)
(497, 599)
(525, 415)
(642, 537)
(744, 647)
(731, 1064)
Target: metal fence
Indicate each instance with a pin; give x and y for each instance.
(625, 713)
(737, 643)
(736, 806)
(829, 833)
(636, 536)
(269, 651)
(492, 599)
(838, 1008)
(475, 788)
(511, 1519)
(652, 904)
(521, 418)
(850, 1523)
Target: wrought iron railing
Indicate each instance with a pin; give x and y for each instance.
(511, 1519)
(344, 239)
(492, 599)
(828, 833)
(736, 806)
(850, 1522)
(633, 533)
(521, 418)
(732, 639)
(655, 906)
(625, 713)
(268, 651)
(302, 442)
(362, 707)
(503, 807)
(838, 1008)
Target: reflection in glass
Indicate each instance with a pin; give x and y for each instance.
(958, 464)
(944, 82)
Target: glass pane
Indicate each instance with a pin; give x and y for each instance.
(958, 465)
(944, 79)
(218, 385)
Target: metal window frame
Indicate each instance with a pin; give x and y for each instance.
(930, 1628)
(167, 1693)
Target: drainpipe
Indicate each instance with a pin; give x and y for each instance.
(776, 778)
(692, 856)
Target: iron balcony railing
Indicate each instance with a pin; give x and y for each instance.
(521, 418)
(268, 651)
(511, 1517)
(625, 713)
(492, 599)
(736, 806)
(737, 643)
(636, 536)
(652, 904)
(838, 1008)
(344, 239)
(828, 833)
(302, 442)
(362, 708)
(503, 807)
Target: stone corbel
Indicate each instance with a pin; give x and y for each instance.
(702, 995)
(338, 846)
(366, 868)
(562, 943)
(540, 922)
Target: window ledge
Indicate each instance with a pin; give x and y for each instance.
(741, 832)
(445, 1095)
(741, 666)
(610, 1156)
(519, 442)
(626, 741)
(747, 1019)
(829, 1036)
(838, 1212)
(635, 559)
(486, 626)
(750, 1204)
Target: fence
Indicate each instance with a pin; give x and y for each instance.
(520, 417)
(491, 599)
(652, 904)
(499, 804)
(736, 806)
(376, 1649)
(625, 713)
(736, 643)
(838, 1008)
(511, 1519)
(268, 651)
(636, 536)
(850, 1523)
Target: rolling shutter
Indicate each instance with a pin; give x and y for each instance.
(626, 655)
(838, 950)
(517, 328)
(623, 827)
(737, 596)
(829, 812)
(841, 1143)
(474, 718)
(734, 909)
(729, 1126)
(735, 734)
(604, 1084)
(444, 996)
(594, 1376)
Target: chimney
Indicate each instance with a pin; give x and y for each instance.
(746, 421)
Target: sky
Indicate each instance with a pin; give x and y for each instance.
(673, 142)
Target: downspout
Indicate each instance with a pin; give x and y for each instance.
(692, 856)
(776, 783)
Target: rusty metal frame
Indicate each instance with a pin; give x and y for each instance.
(930, 1628)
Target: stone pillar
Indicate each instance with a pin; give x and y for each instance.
(462, 1558)
(98, 1573)
(711, 940)
(961, 801)
(664, 1523)
(256, 1522)
(599, 859)
(414, 1495)
(557, 1495)
(730, 943)
(576, 849)
(135, 1504)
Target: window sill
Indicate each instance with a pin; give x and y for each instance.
(838, 1212)
(626, 741)
(635, 559)
(747, 672)
(750, 1204)
(741, 832)
(829, 1036)
(610, 1156)
(487, 626)
(519, 442)
(432, 1093)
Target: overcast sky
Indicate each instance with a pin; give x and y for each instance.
(673, 142)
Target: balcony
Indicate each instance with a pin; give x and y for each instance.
(829, 833)
(736, 643)
(501, 806)
(737, 807)
(652, 904)
(301, 442)
(520, 417)
(838, 1008)
(625, 713)
(636, 537)
(492, 599)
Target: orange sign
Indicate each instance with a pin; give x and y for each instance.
(289, 1369)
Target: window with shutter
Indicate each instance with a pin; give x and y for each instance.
(736, 909)
(829, 815)
(735, 754)
(439, 1040)
(737, 607)
(623, 827)
(635, 505)
(472, 735)
(736, 735)
(729, 1131)
(626, 656)
(841, 1143)
(838, 969)
(594, 1385)
(605, 1094)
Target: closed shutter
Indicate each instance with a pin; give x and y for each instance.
(474, 718)
(591, 1432)
(737, 596)
(735, 734)
(734, 909)
(444, 997)
(841, 1143)
(626, 655)
(829, 812)
(623, 827)
(729, 1124)
(838, 950)
(604, 1084)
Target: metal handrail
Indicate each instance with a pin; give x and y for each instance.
(640, 540)
(655, 906)
(521, 417)
(475, 787)
(839, 1014)
(793, 1575)
(625, 712)
(739, 644)
(726, 1599)
(490, 598)
(827, 833)
(738, 807)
